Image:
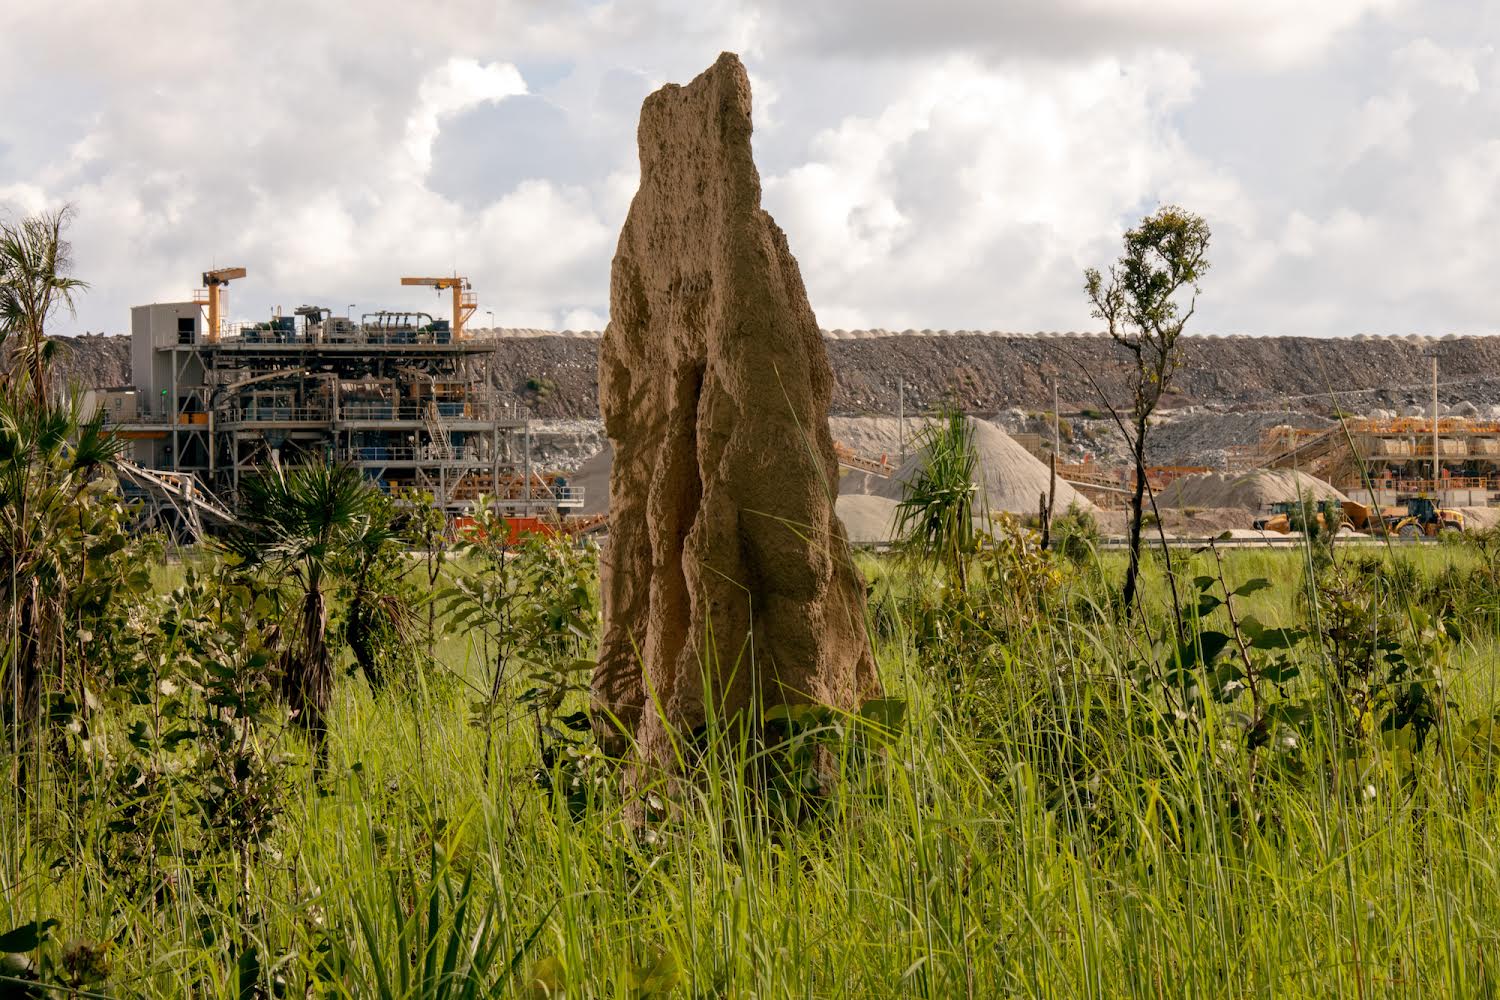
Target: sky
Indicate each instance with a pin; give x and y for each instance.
(949, 164)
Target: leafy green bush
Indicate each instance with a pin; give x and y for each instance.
(1076, 534)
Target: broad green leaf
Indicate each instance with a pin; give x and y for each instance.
(26, 937)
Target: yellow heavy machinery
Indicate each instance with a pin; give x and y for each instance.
(214, 282)
(1330, 515)
(464, 300)
(1416, 517)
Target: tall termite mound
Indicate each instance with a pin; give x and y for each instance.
(727, 581)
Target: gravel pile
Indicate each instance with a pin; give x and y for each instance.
(1008, 476)
(1251, 491)
(565, 444)
(593, 476)
(868, 520)
(1195, 436)
(1480, 518)
(555, 375)
(1192, 523)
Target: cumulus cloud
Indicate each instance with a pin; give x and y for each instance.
(949, 164)
(989, 190)
(458, 85)
(1425, 59)
(1276, 31)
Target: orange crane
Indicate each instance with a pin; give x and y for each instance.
(464, 300)
(213, 283)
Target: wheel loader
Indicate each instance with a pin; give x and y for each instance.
(1419, 517)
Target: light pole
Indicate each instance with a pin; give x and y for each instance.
(1436, 352)
(901, 418)
(491, 314)
(350, 313)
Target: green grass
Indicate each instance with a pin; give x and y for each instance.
(956, 864)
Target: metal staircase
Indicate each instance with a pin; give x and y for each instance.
(437, 430)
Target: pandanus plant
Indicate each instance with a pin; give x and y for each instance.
(304, 524)
(935, 518)
(35, 261)
(55, 515)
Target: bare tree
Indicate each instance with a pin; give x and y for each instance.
(1147, 299)
(35, 261)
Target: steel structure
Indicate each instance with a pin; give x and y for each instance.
(1455, 458)
(395, 394)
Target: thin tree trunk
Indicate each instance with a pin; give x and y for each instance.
(38, 366)
(1137, 515)
(1049, 504)
(1166, 553)
(308, 675)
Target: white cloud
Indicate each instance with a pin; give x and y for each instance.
(1382, 124)
(948, 164)
(1424, 59)
(1274, 31)
(459, 85)
(583, 319)
(982, 195)
(23, 199)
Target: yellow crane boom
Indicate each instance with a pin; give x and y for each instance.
(465, 302)
(215, 282)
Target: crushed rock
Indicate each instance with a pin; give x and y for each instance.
(1009, 477)
(1251, 491)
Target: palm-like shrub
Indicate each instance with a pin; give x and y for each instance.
(59, 523)
(34, 283)
(305, 523)
(380, 613)
(935, 518)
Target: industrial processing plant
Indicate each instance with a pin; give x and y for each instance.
(402, 395)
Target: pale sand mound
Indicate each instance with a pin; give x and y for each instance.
(868, 520)
(1251, 491)
(1194, 523)
(593, 476)
(877, 437)
(1480, 518)
(1009, 477)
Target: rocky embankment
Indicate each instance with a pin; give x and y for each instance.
(1226, 393)
(985, 373)
(93, 361)
(991, 373)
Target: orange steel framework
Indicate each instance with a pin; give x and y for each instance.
(465, 302)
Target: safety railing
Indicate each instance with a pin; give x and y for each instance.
(1430, 486)
(406, 453)
(446, 409)
(272, 334)
(269, 413)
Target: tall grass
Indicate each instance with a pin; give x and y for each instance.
(1031, 831)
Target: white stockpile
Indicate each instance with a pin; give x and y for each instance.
(1251, 491)
(1009, 478)
(593, 476)
(868, 520)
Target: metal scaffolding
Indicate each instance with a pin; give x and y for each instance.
(394, 394)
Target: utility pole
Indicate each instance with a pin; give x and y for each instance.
(1056, 425)
(1435, 424)
(901, 417)
(527, 463)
